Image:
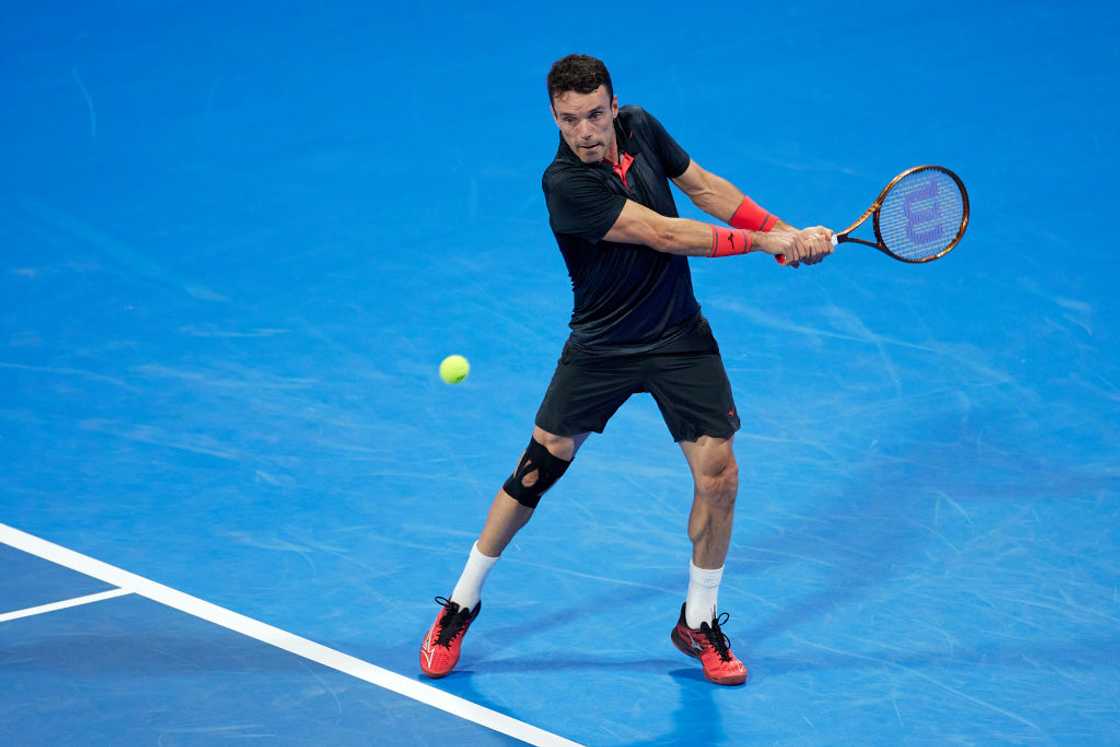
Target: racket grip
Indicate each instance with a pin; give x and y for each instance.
(781, 258)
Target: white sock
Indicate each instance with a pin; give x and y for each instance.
(469, 589)
(703, 590)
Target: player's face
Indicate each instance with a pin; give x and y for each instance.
(586, 121)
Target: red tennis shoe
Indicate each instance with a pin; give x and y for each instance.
(439, 653)
(708, 644)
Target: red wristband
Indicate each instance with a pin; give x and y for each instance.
(751, 217)
(728, 241)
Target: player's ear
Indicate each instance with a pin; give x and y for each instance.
(614, 107)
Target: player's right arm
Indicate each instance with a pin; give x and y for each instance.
(637, 224)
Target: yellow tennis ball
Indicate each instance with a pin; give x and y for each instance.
(453, 369)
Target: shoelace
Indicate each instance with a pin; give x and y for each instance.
(452, 621)
(719, 640)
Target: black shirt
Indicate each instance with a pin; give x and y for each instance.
(629, 298)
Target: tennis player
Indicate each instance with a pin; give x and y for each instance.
(636, 327)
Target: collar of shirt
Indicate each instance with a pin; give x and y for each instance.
(621, 167)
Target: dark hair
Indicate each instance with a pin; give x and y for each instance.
(580, 73)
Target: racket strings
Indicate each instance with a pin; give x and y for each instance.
(922, 215)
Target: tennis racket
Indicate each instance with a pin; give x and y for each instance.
(919, 217)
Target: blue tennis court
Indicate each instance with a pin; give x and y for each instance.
(238, 238)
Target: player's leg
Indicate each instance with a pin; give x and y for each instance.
(582, 396)
(694, 395)
(698, 630)
(507, 514)
(715, 476)
(543, 463)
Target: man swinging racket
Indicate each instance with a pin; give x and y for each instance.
(636, 327)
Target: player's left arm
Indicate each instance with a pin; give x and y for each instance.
(721, 199)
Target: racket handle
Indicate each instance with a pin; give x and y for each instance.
(781, 258)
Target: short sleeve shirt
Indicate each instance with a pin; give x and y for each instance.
(628, 298)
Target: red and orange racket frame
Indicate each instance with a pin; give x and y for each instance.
(879, 243)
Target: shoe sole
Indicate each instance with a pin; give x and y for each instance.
(687, 651)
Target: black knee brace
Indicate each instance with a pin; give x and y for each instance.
(537, 472)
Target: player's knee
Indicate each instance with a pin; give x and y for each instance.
(561, 447)
(719, 484)
(538, 471)
(718, 495)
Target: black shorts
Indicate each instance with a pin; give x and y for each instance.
(686, 378)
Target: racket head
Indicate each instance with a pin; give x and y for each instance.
(921, 214)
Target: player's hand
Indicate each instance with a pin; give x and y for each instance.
(778, 242)
(816, 244)
(808, 245)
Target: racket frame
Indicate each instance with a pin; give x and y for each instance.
(881, 245)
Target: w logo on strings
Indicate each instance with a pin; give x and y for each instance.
(923, 224)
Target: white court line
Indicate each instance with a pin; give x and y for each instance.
(282, 639)
(42, 609)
